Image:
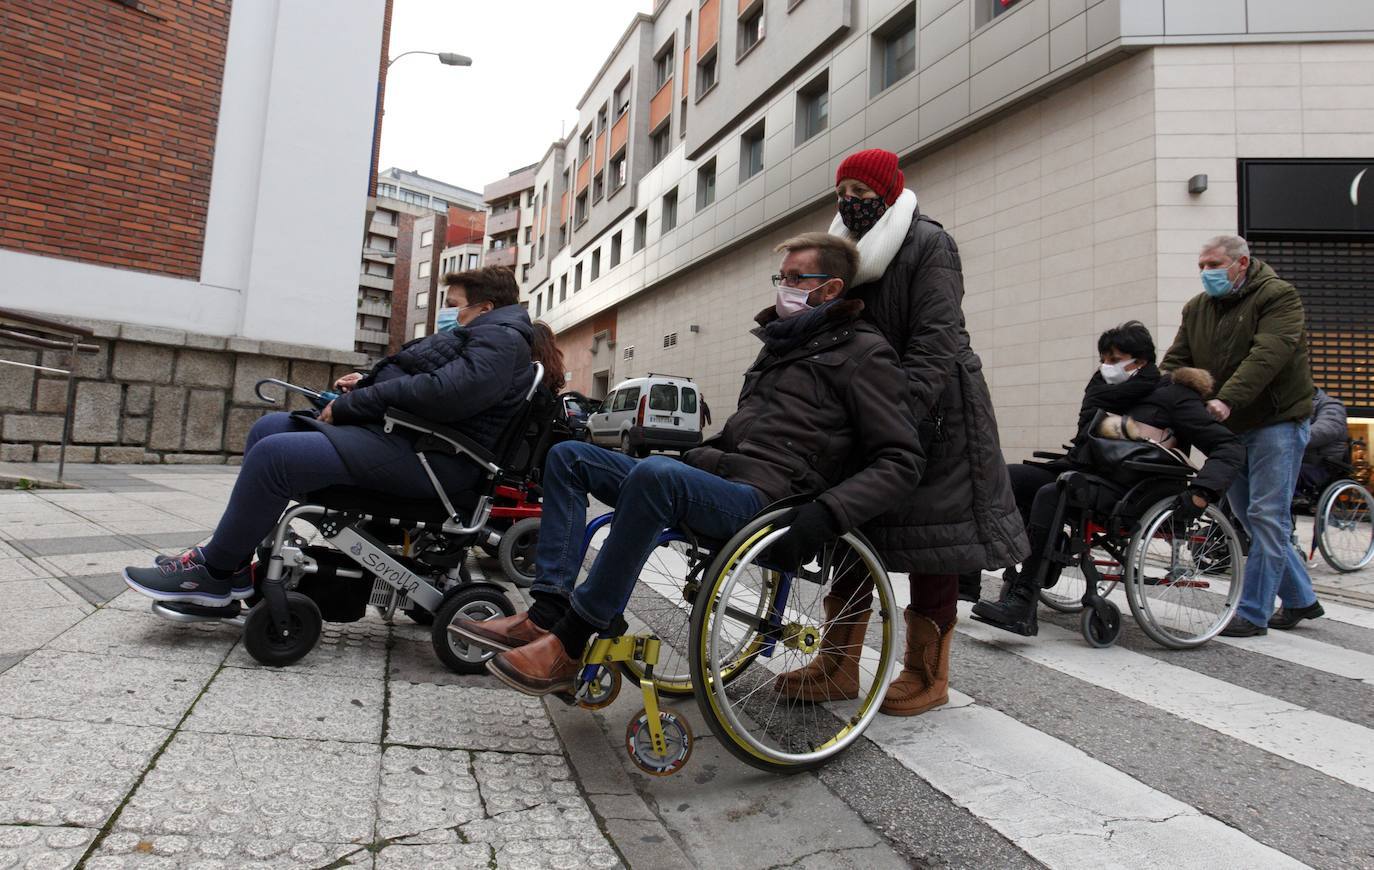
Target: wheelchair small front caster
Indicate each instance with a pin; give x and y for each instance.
(677, 734)
(1098, 632)
(600, 691)
(479, 604)
(266, 644)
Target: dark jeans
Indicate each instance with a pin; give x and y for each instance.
(649, 495)
(279, 463)
(1036, 495)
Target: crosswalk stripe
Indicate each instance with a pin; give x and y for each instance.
(1340, 749)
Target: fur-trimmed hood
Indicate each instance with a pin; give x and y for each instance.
(1197, 380)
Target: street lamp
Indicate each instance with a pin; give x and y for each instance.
(447, 58)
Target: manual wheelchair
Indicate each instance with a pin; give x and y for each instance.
(1182, 584)
(1342, 518)
(716, 620)
(384, 551)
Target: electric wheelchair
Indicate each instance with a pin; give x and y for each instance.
(717, 621)
(1182, 583)
(384, 551)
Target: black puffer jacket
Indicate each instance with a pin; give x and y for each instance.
(818, 419)
(1179, 405)
(962, 516)
(472, 379)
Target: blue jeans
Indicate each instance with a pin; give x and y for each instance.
(1262, 497)
(280, 462)
(649, 495)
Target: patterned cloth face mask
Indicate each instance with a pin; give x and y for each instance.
(859, 214)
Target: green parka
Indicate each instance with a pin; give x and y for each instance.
(1252, 342)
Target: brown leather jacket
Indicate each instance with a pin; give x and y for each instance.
(823, 418)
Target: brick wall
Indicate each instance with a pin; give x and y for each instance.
(381, 99)
(401, 280)
(110, 116)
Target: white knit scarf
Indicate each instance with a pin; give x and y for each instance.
(880, 244)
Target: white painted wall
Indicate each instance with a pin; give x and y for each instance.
(288, 192)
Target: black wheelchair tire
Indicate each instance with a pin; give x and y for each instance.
(517, 551)
(1098, 633)
(466, 601)
(260, 636)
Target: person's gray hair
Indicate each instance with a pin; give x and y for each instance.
(1234, 246)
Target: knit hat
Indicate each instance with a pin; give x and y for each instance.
(876, 168)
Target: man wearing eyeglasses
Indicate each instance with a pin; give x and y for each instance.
(816, 417)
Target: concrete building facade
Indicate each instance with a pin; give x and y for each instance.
(1055, 140)
(509, 238)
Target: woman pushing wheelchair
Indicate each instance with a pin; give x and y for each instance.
(471, 374)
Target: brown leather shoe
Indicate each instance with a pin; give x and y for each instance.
(501, 634)
(537, 668)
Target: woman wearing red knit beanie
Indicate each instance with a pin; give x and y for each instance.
(961, 518)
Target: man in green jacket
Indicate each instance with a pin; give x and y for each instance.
(1246, 329)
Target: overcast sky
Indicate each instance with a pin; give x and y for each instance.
(531, 62)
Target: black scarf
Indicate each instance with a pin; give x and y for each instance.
(1116, 398)
(780, 336)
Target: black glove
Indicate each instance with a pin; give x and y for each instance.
(1185, 509)
(808, 531)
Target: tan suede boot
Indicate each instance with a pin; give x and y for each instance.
(923, 683)
(833, 675)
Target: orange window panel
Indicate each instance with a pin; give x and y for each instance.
(584, 176)
(600, 152)
(708, 27)
(620, 133)
(661, 106)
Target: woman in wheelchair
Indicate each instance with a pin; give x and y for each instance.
(815, 419)
(471, 374)
(1142, 404)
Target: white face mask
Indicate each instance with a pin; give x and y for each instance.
(790, 302)
(1115, 373)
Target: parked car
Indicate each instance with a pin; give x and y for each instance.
(578, 408)
(657, 412)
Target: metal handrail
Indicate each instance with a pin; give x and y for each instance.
(27, 330)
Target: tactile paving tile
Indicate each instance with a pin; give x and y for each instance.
(522, 781)
(556, 855)
(353, 649)
(240, 799)
(127, 691)
(143, 635)
(544, 837)
(286, 704)
(130, 851)
(426, 790)
(456, 856)
(39, 848)
(69, 773)
(464, 717)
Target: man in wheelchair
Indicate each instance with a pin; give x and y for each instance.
(471, 374)
(1127, 398)
(1328, 449)
(815, 418)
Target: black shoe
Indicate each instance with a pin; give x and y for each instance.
(1016, 611)
(1287, 617)
(971, 586)
(1239, 626)
(190, 581)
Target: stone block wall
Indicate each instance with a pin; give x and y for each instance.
(152, 395)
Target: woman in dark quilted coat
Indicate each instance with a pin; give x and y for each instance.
(470, 375)
(961, 517)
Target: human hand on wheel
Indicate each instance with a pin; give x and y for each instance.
(810, 528)
(1189, 505)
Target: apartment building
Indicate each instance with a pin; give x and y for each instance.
(510, 223)
(1079, 151)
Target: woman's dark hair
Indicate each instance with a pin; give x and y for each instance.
(1130, 337)
(545, 350)
(494, 284)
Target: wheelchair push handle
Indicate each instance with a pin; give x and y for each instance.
(317, 398)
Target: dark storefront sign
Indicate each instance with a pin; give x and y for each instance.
(1313, 222)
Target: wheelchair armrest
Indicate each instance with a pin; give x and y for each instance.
(1047, 454)
(1158, 468)
(435, 437)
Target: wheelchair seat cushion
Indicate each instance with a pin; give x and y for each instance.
(383, 504)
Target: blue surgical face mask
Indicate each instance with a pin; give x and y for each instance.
(446, 319)
(1216, 282)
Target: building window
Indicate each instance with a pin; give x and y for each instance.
(615, 250)
(750, 31)
(419, 331)
(598, 187)
(580, 212)
(529, 234)
(663, 66)
(662, 143)
(669, 210)
(641, 230)
(894, 49)
(601, 119)
(426, 238)
(706, 74)
(596, 264)
(538, 304)
(525, 273)
(541, 247)
(706, 184)
(813, 107)
(622, 98)
(473, 260)
(618, 172)
(751, 152)
(990, 9)
(584, 150)
(422, 299)
(562, 235)
(563, 284)
(422, 270)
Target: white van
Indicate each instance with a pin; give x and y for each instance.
(657, 412)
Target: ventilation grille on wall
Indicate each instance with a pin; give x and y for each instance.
(670, 340)
(629, 351)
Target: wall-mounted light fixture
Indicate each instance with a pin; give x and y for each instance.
(694, 328)
(1197, 184)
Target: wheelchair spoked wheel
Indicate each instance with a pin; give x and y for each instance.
(1345, 526)
(748, 611)
(517, 551)
(1184, 584)
(476, 603)
(266, 645)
